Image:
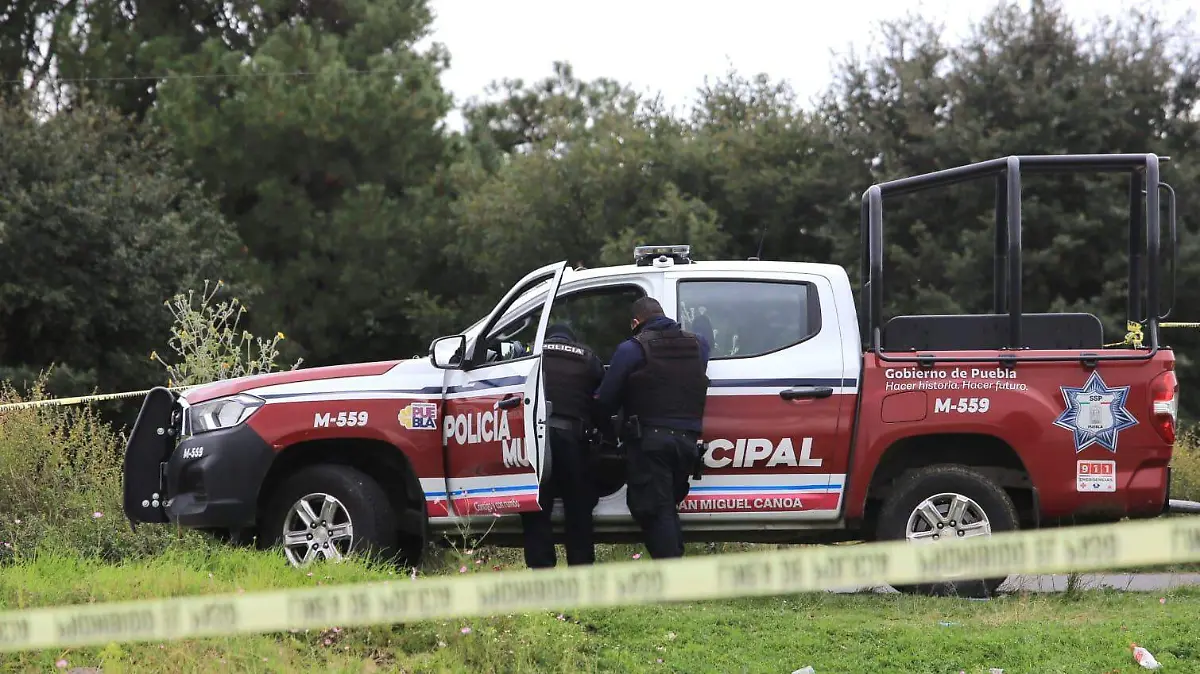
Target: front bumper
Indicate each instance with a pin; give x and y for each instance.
(209, 480)
(213, 479)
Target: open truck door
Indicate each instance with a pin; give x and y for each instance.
(494, 409)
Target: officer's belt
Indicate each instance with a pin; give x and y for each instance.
(683, 433)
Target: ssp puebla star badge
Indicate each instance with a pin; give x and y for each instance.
(1095, 413)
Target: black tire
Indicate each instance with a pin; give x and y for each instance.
(374, 531)
(914, 486)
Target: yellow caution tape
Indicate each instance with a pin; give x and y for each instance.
(705, 577)
(58, 402)
(1134, 335)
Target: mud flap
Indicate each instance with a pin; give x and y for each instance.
(150, 444)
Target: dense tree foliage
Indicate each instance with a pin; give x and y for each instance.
(323, 141)
(97, 228)
(368, 228)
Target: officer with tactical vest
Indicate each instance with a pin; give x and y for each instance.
(659, 376)
(572, 373)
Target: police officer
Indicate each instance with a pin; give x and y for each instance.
(659, 376)
(572, 373)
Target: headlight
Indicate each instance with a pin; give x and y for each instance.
(222, 412)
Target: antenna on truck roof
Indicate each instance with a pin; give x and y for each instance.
(762, 237)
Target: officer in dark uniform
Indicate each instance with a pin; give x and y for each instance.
(572, 373)
(659, 376)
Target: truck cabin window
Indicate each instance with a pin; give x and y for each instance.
(742, 319)
(599, 318)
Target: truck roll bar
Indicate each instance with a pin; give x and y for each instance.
(1007, 327)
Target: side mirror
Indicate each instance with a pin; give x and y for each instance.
(446, 353)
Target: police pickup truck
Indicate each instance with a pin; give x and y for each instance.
(824, 422)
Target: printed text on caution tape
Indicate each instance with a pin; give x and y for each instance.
(616, 584)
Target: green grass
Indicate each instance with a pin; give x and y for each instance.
(1085, 632)
(63, 540)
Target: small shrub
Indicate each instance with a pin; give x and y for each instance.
(60, 466)
(207, 339)
(60, 483)
(1185, 467)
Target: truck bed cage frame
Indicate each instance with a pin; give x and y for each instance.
(1008, 329)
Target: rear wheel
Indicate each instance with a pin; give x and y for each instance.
(943, 504)
(330, 512)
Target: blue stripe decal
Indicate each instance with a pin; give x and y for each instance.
(763, 487)
(403, 391)
(749, 383)
(481, 490)
(487, 384)
(806, 487)
(481, 385)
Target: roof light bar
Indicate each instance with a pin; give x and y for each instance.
(643, 255)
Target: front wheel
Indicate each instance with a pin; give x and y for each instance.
(943, 504)
(328, 512)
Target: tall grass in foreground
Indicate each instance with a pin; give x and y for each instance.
(833, 633)
(60, 485)
(1185, 467)
(60, 467)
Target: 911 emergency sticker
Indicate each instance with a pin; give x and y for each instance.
(419, 417)
(1095, 476)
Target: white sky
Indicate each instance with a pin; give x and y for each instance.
(669, 46)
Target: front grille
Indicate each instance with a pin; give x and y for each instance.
(191, 481)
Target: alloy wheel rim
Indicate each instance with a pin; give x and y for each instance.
(317, 526)
(946, 517)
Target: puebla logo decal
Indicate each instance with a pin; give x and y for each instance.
(419, 416)
(1095, 413)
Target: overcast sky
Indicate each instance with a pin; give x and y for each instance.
(669, 46)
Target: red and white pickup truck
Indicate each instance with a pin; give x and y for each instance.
(823, 422)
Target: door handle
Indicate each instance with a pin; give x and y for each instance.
(508, 402)
(798, 392)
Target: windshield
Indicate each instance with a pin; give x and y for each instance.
(520, 305)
